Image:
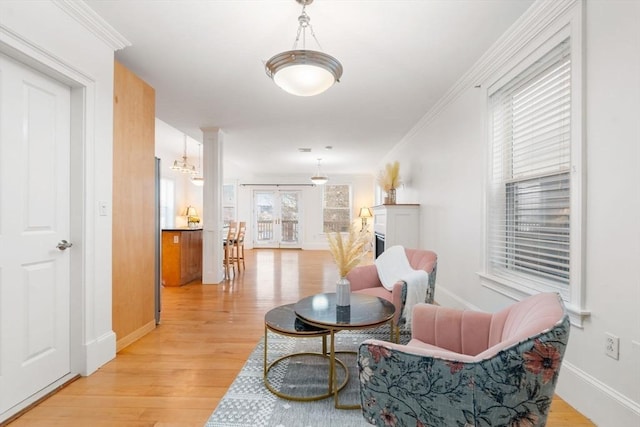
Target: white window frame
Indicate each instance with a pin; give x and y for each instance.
(568, 26)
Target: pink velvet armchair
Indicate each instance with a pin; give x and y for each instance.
(364, 279)
(468, 368)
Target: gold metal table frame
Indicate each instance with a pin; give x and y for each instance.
(365, 312)
(282, 321)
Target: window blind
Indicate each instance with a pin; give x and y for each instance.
(529, 200)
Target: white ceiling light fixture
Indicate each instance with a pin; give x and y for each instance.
(197, 179)
(183, 165)
(319, 178)
(304, 72)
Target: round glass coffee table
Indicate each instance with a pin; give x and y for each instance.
(283, 321)
(364, 311)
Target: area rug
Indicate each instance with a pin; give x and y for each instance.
(248, 403)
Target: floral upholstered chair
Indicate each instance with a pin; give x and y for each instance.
(364, 279)
(465, 368)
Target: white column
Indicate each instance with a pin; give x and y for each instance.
(212, 233)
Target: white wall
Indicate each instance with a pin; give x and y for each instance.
(60, 40)
(446, 157)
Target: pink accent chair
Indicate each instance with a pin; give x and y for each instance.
(364, 279)
(468, 368)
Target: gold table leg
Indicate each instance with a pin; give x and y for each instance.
(332, 373)
(332, 369)
(332, 362)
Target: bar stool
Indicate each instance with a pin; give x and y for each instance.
(238, 252)
(228, 246)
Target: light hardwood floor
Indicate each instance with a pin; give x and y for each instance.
(177, 374)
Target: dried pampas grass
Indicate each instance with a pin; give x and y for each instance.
(389, 178)
(347, 254)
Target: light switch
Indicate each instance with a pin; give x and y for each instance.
(176, 239)
(102, 208)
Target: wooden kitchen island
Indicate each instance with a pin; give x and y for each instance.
(181, 256)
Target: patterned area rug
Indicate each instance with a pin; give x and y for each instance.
(248, 403)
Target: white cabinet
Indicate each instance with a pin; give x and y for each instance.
(396, 225)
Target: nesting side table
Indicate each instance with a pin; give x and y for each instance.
(282, 320)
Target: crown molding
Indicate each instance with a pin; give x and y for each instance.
(534, 21)
(86, 16)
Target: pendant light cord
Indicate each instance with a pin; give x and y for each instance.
(304, 23)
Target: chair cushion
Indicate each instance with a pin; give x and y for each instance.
(376, 292)
(461, 331)
(421, 259)
(481, 334)
(526, 318)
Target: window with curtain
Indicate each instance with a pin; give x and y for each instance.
(336, 208)
(529, 198)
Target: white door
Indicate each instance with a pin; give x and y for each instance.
(34, 218)
(276, 219)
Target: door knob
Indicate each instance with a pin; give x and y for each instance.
(63, 245)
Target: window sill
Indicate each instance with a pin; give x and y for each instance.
(517, 291)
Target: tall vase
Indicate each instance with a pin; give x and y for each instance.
(391, 197)
(343, 292)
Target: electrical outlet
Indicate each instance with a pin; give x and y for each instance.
(612, 345)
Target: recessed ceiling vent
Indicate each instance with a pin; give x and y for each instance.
(304, 150)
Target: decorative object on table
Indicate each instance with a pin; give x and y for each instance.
(343, 292)
(347, 254)
(479, 368)
(343, 314)
(304, 72)
(192, 217)
(389, 180)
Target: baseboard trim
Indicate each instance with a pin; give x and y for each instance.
(595, 399)
(449, 299)
(135, 335)
(98, 352)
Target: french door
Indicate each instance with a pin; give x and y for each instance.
(276, 219)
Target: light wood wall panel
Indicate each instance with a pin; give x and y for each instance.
(133, 206)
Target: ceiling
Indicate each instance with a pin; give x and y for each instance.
(205, 60)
